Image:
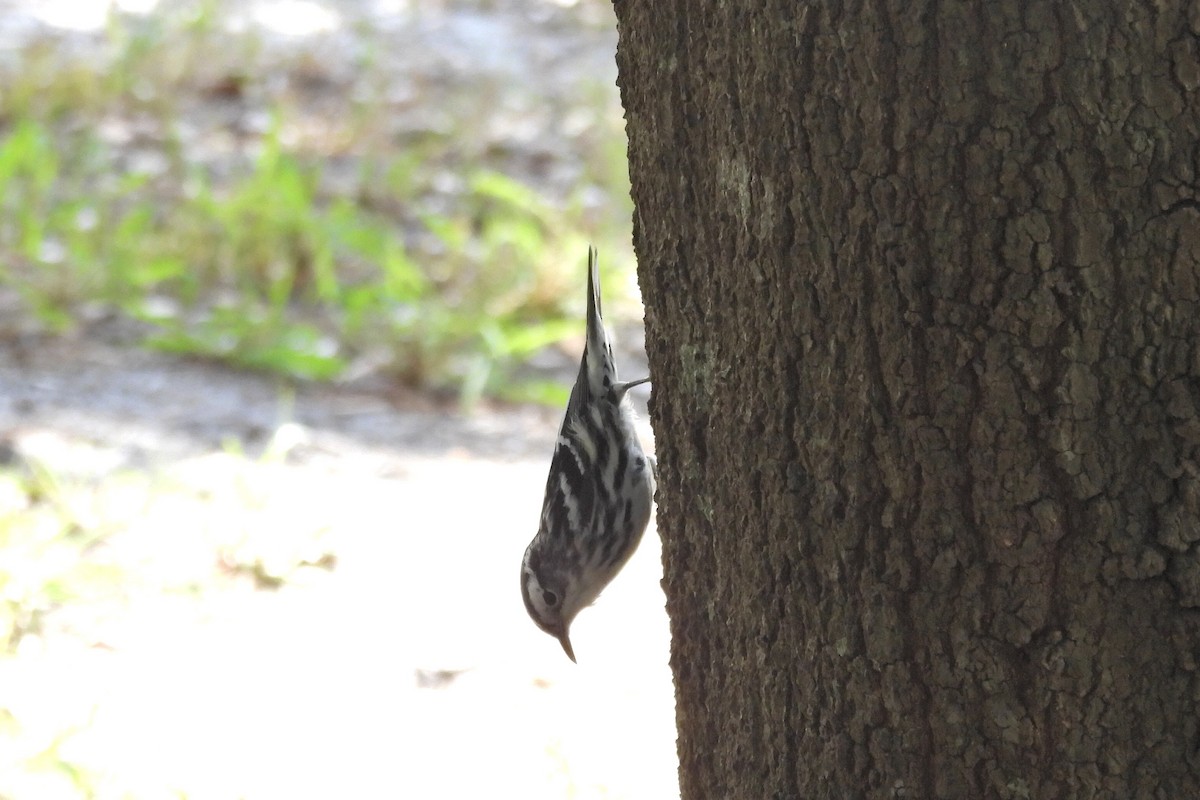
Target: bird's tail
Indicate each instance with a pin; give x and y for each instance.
(601, 368)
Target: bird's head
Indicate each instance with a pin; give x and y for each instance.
(553, 595)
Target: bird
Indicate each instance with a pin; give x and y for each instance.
(599, 493)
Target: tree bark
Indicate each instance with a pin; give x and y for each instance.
(922, 284)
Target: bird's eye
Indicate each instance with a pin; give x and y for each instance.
(550, 598)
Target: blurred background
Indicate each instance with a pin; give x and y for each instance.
(291, 298)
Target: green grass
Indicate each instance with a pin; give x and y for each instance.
(319, 245)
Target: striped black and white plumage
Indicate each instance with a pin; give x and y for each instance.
(598, 494)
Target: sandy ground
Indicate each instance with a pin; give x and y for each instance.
(401, 665)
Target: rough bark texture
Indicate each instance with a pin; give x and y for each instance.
(922, 285)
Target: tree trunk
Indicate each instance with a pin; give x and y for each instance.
(922, 287)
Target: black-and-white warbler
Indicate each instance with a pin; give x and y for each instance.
(598, 494)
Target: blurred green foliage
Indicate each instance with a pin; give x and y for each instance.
(271, 265)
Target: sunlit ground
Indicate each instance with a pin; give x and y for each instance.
(223, 589)
(409, 670)
(328, 617)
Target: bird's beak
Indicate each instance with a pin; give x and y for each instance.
(565, 640)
